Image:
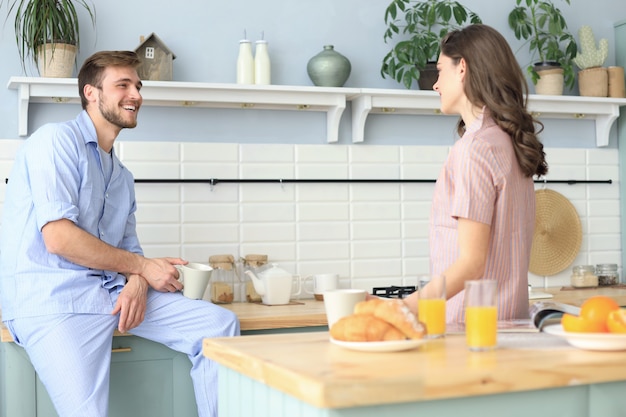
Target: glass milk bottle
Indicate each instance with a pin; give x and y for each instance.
(262, 67)
(245, 63)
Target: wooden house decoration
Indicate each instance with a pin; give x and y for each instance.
(156, 59)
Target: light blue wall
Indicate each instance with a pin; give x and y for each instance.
(204, 35)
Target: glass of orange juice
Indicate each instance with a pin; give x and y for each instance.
(481, 316)
(431, 304)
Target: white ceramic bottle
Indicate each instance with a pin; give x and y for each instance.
(245, 63)
(262, 67)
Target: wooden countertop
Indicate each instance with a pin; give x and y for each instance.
(310, 368)
(309, 313)
(301, 313)
(578, 296)
(252, 316)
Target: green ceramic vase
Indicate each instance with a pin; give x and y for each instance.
(329, 68)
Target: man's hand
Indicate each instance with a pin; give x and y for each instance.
(131, 303)
(161, 274)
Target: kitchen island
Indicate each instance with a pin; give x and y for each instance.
(530, 374)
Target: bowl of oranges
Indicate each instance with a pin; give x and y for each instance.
(601, 325)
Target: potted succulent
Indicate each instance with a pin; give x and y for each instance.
(551, 44)
(593, 78)
(44, 28)
(420, 25)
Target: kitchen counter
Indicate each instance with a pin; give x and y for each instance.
(135, 360)
(256, 317)
(568, 295)
(310, 313)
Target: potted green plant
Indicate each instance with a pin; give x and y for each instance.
(593, 78)
(420, 25)
(543, 26)
(46, 27)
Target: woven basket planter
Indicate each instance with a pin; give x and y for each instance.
(550, 82)
(593, 82)
(56, 60)
(617, 87)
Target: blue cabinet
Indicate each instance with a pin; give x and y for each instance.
(147, 380)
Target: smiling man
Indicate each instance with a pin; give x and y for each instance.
(71, 266)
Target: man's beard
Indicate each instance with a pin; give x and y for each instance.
(113, 117)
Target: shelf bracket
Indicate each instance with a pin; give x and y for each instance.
(361, 107)
(23, 100)
(603, 126)
(333, 117)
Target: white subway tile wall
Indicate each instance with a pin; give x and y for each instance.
(371, 234)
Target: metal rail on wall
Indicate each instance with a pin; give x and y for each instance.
(215, 181)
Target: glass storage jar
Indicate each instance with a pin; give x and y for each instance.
(253, 263)
(584, 276)
(607, 274)
(222, 283)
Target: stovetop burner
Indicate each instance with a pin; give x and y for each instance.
(393, 291)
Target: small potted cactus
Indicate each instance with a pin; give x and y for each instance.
(592, 77)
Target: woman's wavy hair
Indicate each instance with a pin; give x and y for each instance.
(495, 80)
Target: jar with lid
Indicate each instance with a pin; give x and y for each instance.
(584, 276)
(254, 263)
(607, 274)
(222, 283)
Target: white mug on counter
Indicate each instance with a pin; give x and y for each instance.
(340, 303)
(317, 284)
(195, 278)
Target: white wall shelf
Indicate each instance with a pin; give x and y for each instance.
(189, 94)
(332, 101)
(603, 110)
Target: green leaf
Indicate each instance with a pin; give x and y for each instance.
(424, 22)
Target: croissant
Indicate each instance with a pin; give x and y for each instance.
(368, 306)
(364, 328)
(378, 320)
(396, 313)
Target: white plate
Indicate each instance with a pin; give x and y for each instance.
(589, 341)
(390, 346)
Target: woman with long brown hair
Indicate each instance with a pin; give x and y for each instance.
(483, 211)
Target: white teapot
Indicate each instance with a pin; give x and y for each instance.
(274, 285)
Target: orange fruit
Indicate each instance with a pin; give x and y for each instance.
(597, 309)
(616, 322)
(579, 324)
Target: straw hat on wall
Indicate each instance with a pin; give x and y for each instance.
(558, 234)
